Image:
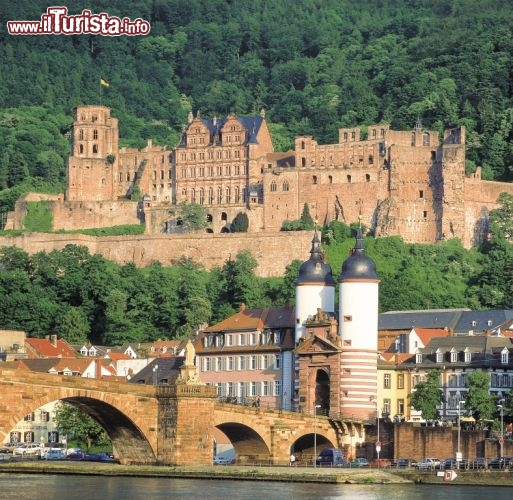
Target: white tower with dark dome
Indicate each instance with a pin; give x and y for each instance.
(315, 288)
(358, 331)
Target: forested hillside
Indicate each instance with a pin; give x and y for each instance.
(314, 65)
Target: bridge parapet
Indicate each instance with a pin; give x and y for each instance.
(183, 391)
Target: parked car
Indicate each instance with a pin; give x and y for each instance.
(501, 463)
(359, 462)
(333, 457)
(101, 456)
(382, 463)
(27, 449)
(428, 463)
(223, 460)
(477, 463)
(54, 454)
(76, 455)
(403, 462)
(452, 463)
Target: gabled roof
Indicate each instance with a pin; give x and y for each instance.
(256, 319)
(44, 348)
(427, 334)
(167, 369)
(115, 356)
(75, 365)
(309, 344)
(482, 321)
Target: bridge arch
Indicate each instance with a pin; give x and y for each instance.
(128, 414)
(249, 446)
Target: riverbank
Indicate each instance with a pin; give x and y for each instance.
(263, 473)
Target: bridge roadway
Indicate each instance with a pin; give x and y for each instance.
(172, 425)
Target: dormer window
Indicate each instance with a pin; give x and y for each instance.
(454, 355)
(474, 323)
(504, 356)
(439, 356)
(418, 357)
(468, 355)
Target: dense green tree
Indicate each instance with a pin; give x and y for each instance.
(193, 216)
(478, 400)
(427, 396)
(240, 223)
(79, 426)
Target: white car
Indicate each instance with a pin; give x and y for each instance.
(428, 463)
(27, 449)
(222, 460)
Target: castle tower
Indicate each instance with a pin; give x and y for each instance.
(93, 164)
(315, 288)
(358, 331)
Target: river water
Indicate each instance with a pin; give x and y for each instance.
(69, 487)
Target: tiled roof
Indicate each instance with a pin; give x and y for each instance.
(256, 319)
(45, 349)
(406, 320)
(482, 321)
(426, 334)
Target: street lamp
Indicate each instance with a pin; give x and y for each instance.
(378, 442)
(501, 440)
(315, 434)
(458, 452)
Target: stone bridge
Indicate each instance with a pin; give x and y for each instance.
(173, 425)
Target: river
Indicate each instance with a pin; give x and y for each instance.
(69, 487)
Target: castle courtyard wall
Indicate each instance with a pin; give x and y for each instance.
(272, 251)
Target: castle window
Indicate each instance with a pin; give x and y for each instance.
(425, 214)
(184, 173)
(210, 171)
(426, 139)
(202, 140)
(367, 177)
(285, 186)
(162, 174)
(273, 187)
(345, 136)
(237, 169)
(81, 148)
(193, 140)
(433, 155)
(303, 161)
(202, 196)
(219, 196)
(210, 155)
(228, 195)
(184, 194)
(371, 158)
(95, 135)
(202, 156)
(349, 179)
(81, 134)
(120, 176)
(421, 194)
(374, 133)
(193, 172)
(128, 176)
(330, 179)
(193, 195)
(183, 156)
(227, 154)
(95, 148)
(228, 170)
(210, 196)
(314, 179)
(236, 153)
(219, 155)
(193, 156)
(382, 132)
(237, 194)
(353, 136)
(94, 118)
(202, 171)
(209, 218)
(413, 138)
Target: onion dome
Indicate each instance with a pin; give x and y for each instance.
(315, 270)
(358, 265)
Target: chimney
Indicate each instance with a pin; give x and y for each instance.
(242, 307)
(98, 366)
(53, 340)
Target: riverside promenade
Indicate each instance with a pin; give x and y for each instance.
(264, 473)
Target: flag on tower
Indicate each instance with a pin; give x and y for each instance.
(104, 82)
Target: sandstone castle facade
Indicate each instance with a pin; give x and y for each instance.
(406, 183)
